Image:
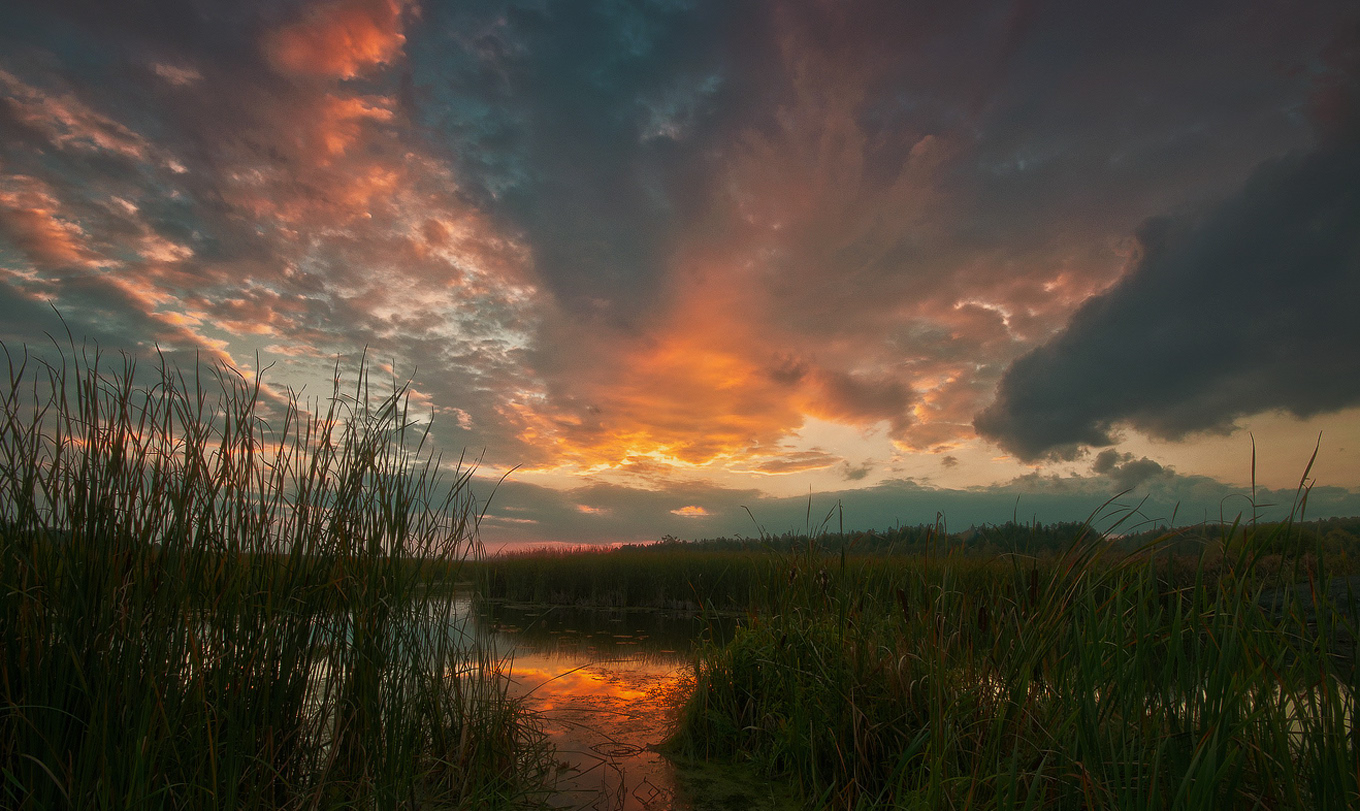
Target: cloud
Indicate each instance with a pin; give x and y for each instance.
(795, 462)
(67, 122)
(857, 400)
(1126, 472)
(647, 242)
(844, 231)
(1244, 309)
(30, 218)
(177, 75)
(1241, 308)
(337, 38)
(747, 215)
(854, 473)
(300, 215)
(690, 511)
(526, 513)
(589, 127)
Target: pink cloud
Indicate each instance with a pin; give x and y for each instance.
(339, 39)
(31, 217)
(68, 123)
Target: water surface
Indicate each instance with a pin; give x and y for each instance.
(607, 684)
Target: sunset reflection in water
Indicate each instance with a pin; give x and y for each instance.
(607, 685)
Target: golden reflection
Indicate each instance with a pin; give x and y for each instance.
(605, 719)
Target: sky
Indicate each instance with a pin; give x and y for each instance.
(712, 268)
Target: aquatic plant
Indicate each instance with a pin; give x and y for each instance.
(1089, 682)
(214, 595)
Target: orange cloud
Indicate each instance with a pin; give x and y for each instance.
(319, 155)
(717, 379)
(796, 308)
(339, 39)
(340, 122)
(690, 511)
(692, 390)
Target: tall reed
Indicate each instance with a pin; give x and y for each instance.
(1087, 683)
(660, 576)
(213, 596)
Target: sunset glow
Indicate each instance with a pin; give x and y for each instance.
(669, 261)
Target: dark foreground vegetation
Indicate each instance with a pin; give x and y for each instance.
(673, 576)
(1210, 668)
(212, 598)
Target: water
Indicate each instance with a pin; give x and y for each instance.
(606, 684)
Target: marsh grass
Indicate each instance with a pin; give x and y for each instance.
(214, 596)
(1089, 681)
(668, 576)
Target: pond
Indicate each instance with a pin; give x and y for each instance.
(606, 684)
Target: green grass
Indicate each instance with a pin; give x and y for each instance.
(1085, 682)
(214, 597)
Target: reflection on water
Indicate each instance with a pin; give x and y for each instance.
(604, 718)
(606, 683)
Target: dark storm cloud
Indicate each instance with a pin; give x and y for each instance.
(1126, 472)
(1247, 308)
